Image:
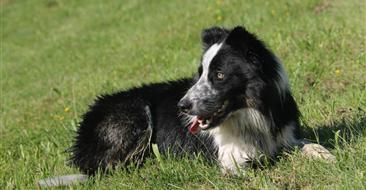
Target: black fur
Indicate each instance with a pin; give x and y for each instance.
(114, 125)
(213, 35)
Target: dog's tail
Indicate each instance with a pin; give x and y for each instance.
(136, 154)
(62, 180)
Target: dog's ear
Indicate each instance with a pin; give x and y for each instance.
(239, 37)
(247, 43)
(213, 35)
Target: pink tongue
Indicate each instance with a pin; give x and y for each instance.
(194, 128)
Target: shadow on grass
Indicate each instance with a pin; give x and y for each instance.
(339, 133)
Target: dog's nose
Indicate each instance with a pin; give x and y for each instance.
(184, 105)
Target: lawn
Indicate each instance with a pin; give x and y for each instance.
(56, 56)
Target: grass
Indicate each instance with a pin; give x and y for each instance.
(56, 56)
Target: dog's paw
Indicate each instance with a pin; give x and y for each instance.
(233, 172)
(317, 151)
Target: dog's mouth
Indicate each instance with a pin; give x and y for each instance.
(206, 122)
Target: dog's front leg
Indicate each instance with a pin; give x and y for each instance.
(233, 164)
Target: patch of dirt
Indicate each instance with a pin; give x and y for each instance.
(310, 81)
(334, 85)
(343, 112)
(321, 7)
(52, 3)
(3, 2)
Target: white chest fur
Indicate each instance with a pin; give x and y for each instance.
(241, 138)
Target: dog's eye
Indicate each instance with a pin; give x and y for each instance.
(220, 75)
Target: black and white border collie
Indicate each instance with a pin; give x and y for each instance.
(236, 108)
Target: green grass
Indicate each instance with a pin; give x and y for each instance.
(56, 56)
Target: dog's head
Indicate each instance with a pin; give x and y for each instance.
(229, 71)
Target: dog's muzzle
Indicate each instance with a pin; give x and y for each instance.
(185, 105)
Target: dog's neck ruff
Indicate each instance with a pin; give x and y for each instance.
(242, 137)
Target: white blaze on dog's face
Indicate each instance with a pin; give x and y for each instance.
(203, 87)
(206, 101)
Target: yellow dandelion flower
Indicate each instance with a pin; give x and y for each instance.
(337, 71)
(219, 18)
(66, 109)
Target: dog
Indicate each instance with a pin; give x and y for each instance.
(237, 108)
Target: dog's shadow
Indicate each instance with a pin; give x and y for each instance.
(339, 133)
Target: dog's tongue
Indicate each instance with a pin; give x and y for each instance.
(194, 128)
